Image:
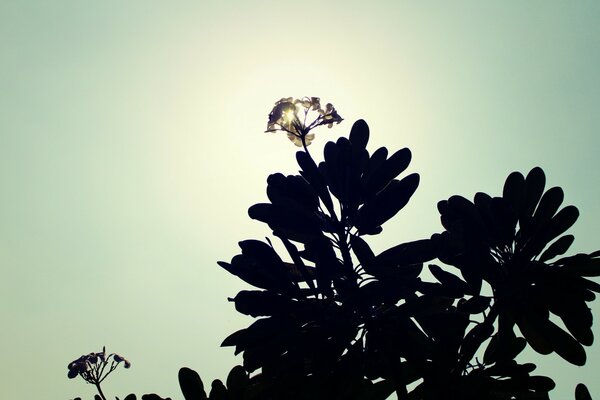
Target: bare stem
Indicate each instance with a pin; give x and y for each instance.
(100, 390)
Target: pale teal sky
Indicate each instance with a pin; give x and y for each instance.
(132, 144)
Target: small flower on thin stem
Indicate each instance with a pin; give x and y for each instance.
(292, 116)
(95, 367)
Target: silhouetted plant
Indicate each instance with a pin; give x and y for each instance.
(336, 321)
(94, 368)
(333, 317)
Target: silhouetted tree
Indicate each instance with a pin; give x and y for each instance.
(336, 321)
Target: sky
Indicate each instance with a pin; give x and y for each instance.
(132, 144)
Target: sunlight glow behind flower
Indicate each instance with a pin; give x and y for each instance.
(291, 115)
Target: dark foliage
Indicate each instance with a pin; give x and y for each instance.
(335, 321)
(333, 317)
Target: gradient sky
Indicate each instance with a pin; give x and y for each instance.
(132, 144)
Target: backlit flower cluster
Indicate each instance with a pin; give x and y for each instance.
(292, 116)
(95, 367)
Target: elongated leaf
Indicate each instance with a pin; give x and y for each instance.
(362, 250)
(241, 268)
(359, 134)
(386, 204)
(541, 383)
(308, 274)
(311, 173)
(565, 345)
(581, 264)
(475, 305)
(356, 169)
(534, 188)
(149, 396)
(327, 265)
(557, 248)
(332, 169)
(562, 221)
(218, 391)
(295, 224)
(390, 169)
(534, 328)
(578, 320)
(514, 192)
(582, 392)
(261, 303)
(448, 280)
(237, 381)
(474, 338)
(292, 191)
(409, 253)
(260, 266)
(375, 162)
(191, 385)
(474, 231)
(549, 204)
(536, 236)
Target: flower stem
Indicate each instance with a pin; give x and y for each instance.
(303, 137)
(100, 391)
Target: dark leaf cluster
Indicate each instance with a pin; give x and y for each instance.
(334, 320)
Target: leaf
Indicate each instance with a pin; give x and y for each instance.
(541, 383)
(295, 224)
(386, 204)
(150, 396)
(582, 392)
(374, 163)
(534, 188)
(292, 192)
(260, 266)
(549, 204)
(264, 331)
(402, 256)
(534, 328)
(326, 264)
(359, 134)
(445, 326)
(237, 381)
(363, 252)
(390, 169)
(449, 280)
(557, 248)
(565, 345)
(474, 338)
(218, 391)
(241, 268)
(261, 303)
(578, 320)
(514, 192)
(311, 173)
(191, 384)
(306, 273)
(491, 351)
(461, 216)
(581, 264)
(562, 221)
(536, 235)
(332, 169)
(474, 305)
